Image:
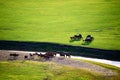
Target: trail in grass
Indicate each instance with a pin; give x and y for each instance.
(110, 62)
(114, 63)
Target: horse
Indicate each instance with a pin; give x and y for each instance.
(89, 38)
(44, 56)
(25, 57)
(72, 38)
(68, 55)
(62, 54)
(65, 54)
(50, 54)
(76, 37)
(79, 36)
(31, 56)
(14, 55)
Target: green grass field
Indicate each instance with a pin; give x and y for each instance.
(31, 70)
(56, 20)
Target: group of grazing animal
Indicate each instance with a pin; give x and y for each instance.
(38, 56)
(88, 38)
(14, 56)
(47, 55)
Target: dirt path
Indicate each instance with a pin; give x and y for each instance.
(4, 55)
(83, 65)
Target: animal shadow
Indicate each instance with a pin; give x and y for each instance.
(86, 43)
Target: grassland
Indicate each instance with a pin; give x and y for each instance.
(31, 70)
(56, 20)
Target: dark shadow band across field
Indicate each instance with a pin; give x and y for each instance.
(74, 50)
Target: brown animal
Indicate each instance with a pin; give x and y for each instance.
(44, 56)
(25, 57)
(47, 55)
(14, 56)
(51, 54)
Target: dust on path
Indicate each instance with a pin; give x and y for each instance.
(4, 55)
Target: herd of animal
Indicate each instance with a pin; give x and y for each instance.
(48, 55)
(38, 56)
(88, 38)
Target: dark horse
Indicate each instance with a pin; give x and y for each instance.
(62, 54)
(65, 54)
(76, 37)
(50, 54)
(14, 55)
(68, 55)
(89, 38)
